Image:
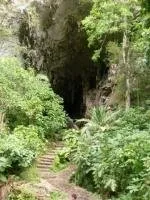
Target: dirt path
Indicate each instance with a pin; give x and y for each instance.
(58, 183)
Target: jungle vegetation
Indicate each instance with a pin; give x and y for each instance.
(112, 150)
(112, 147)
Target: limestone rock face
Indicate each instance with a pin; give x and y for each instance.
(50, 37)
(56, 45)
(8, 29)
(104, 94)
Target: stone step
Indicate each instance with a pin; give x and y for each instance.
(43, 166)
(46, 162)
(41, 197)
(39, 165)
(47, 157)
(59, 144)
(51, 153)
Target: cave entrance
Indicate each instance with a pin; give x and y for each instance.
(70, 88)
(73, 97)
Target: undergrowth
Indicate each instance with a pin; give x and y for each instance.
(30, 174)
(59, 163)
(57, 196)
(31, 114)
(21, 195)
(112, 153)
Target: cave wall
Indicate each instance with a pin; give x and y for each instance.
(54, 44)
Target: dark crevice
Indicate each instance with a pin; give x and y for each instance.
(71, 90)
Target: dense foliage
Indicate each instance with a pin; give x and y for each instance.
(30, 112)
(112, 149)
(113, 154)
(118, 32)
(27, 100)
(18, 150)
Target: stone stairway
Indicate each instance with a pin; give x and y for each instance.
(51, 182)
(46, 161)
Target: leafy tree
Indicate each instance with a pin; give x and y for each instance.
(120, 21)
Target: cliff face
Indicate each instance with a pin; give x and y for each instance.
(54, 43)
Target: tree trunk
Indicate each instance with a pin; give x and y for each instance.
(128, 98)
(1, 121)
(127, 70)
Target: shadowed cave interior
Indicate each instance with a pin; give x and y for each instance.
(73, 86)
(71, 89)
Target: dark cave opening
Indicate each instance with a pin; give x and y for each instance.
(74, 84)
(73, 98)
(71, 89)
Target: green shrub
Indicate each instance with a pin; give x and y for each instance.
(57, 196)
(30, 174)
(133, 119)
(70, 138)
(4, 163)
(27, 100)
(30, 138)
(19, 149)
(60, 162)
(32, 113)
(21, 195)
(122, 163)
(66, 154)
(114, 159)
